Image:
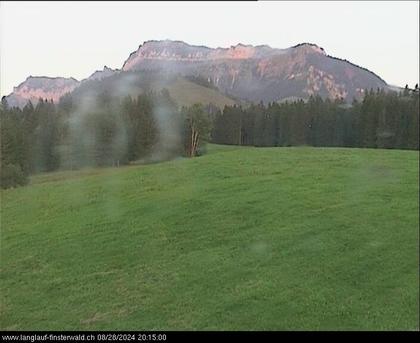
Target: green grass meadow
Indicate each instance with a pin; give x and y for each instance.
(241, 238)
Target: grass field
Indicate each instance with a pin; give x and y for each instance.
(238, 239)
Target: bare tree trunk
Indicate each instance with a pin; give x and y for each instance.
(192, 142)
(240, 130)
(195, 143)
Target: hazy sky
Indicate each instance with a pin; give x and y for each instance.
(77, 38)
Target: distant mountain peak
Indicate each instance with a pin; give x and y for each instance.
(174, 50)
(242, 45)
(45, 87)
(171, 50)
(248, 72)
(101, 74)
(242, 69)
(310, 47)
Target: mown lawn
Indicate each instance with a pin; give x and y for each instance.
(238, 239)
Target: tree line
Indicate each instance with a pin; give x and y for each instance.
(104, 130)
(99, 131)
(381, 120)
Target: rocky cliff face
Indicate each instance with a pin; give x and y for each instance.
(182, 52)
(253, 73)
(259, 73)
(50, 88)
(35, 87)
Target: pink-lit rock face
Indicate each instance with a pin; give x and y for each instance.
(252, 73)
(317, 79)
(34, 88)
(179, 51)
(241, 52)
(290, 65)
(50, 88)
(166, 50)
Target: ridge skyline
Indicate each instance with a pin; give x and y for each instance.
(178, 41)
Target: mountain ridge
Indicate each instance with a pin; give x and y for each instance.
(252, 73)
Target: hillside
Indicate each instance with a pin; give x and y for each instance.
(184, 92)
(238, 239)
(187, 93)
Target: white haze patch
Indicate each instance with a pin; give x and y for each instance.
(169, 136)
(82, 136)
(126, 86)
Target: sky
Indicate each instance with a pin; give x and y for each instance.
(73, 39)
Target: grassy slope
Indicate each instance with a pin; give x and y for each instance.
(183, 91)
(187, 93)
(241, 238)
